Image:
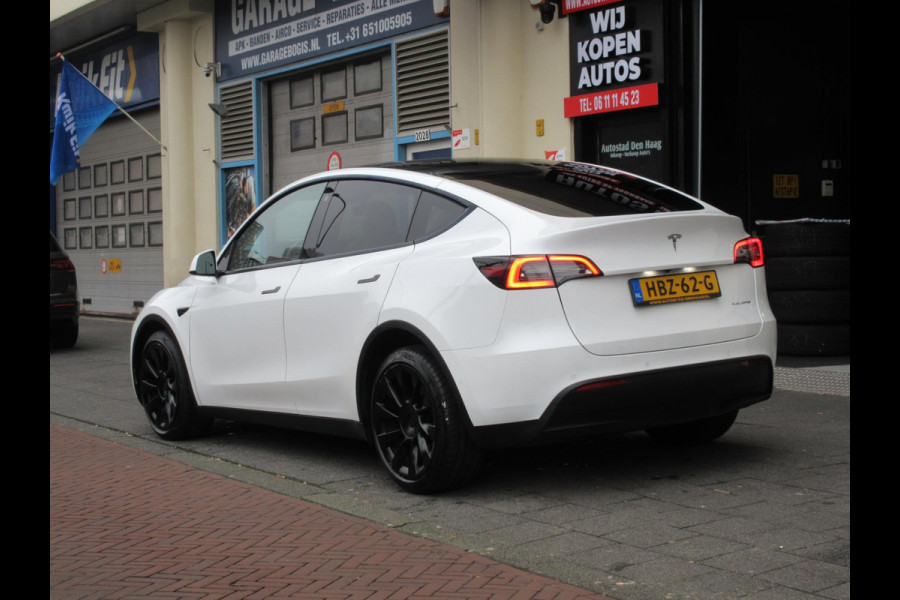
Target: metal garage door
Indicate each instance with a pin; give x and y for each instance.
(109, 216)
(344, 107)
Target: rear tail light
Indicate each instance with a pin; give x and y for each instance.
(749, 251)
(62, 264)
(539, 271)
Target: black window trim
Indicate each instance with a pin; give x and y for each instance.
(318, 219)
(291, 128)
(346, 127)
(378, 135)
(322, 73)
(379, 59)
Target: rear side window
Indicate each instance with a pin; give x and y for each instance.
(364, 215)
(433, 213)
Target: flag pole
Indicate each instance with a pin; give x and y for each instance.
(120, 109)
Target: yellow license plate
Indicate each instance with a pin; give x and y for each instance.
(680, 287)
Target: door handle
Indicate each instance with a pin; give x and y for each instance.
(370, 279)
(272, 291)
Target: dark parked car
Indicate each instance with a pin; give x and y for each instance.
(64, 304)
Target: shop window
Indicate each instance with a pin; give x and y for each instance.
(84, 207)
(155, 234)
(101, 206)
(135, 202)
(101, 175)
(367, 77)
(118, 236)
(117, 172)
(136, 233)
(84, 178)
(70, 209)
(334, 85)
(101, 236)
(86, 238)
(154, 166)
(303, 134)
(334, 128)
(154, 200)
(69, 181)
(302, 93)
(369, 122)
(71, 238)
(136, 169)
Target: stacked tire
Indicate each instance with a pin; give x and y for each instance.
(808, 280)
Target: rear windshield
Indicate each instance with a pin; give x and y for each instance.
(570, 189)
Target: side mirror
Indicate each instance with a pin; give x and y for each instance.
(204, 263)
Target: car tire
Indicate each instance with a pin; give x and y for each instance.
(805, 239)
(810, 306)
(164, 390)
(808, 273)
(64, 336)
(694, 432)
(418, 426)
(829, 339)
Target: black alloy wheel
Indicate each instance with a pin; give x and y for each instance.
(417, 425)
(164, 390)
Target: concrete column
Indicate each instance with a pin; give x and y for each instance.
(506, 73)
(177, 162)
(187, 128)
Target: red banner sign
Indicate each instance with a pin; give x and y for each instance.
(570, 6)
(612, 100)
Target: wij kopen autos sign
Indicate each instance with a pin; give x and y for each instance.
(615, 55)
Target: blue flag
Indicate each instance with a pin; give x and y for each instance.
(80, 109)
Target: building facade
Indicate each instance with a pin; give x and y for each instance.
(745, 107)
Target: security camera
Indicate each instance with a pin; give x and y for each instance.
(548, 9)
(213, 67)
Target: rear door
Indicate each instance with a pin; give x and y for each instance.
(334, 302)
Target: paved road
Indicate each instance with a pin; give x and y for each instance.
(764, 513)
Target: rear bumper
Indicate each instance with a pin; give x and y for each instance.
(64, 311)
(638, 401)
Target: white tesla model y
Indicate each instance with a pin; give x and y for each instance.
(441, 308)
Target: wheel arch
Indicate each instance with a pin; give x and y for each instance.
(384, 339)
(148, 326)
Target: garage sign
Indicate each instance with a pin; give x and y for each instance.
(257, 35)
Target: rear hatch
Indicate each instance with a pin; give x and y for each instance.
(669, 279)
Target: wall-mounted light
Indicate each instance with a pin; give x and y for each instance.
(211, 68)
(219, 109)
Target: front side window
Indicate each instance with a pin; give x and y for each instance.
(276, 235)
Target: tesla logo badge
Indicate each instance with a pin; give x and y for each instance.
(674, 237)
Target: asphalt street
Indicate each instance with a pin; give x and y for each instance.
(763, 513)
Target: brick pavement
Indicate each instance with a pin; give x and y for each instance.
(129, 524)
